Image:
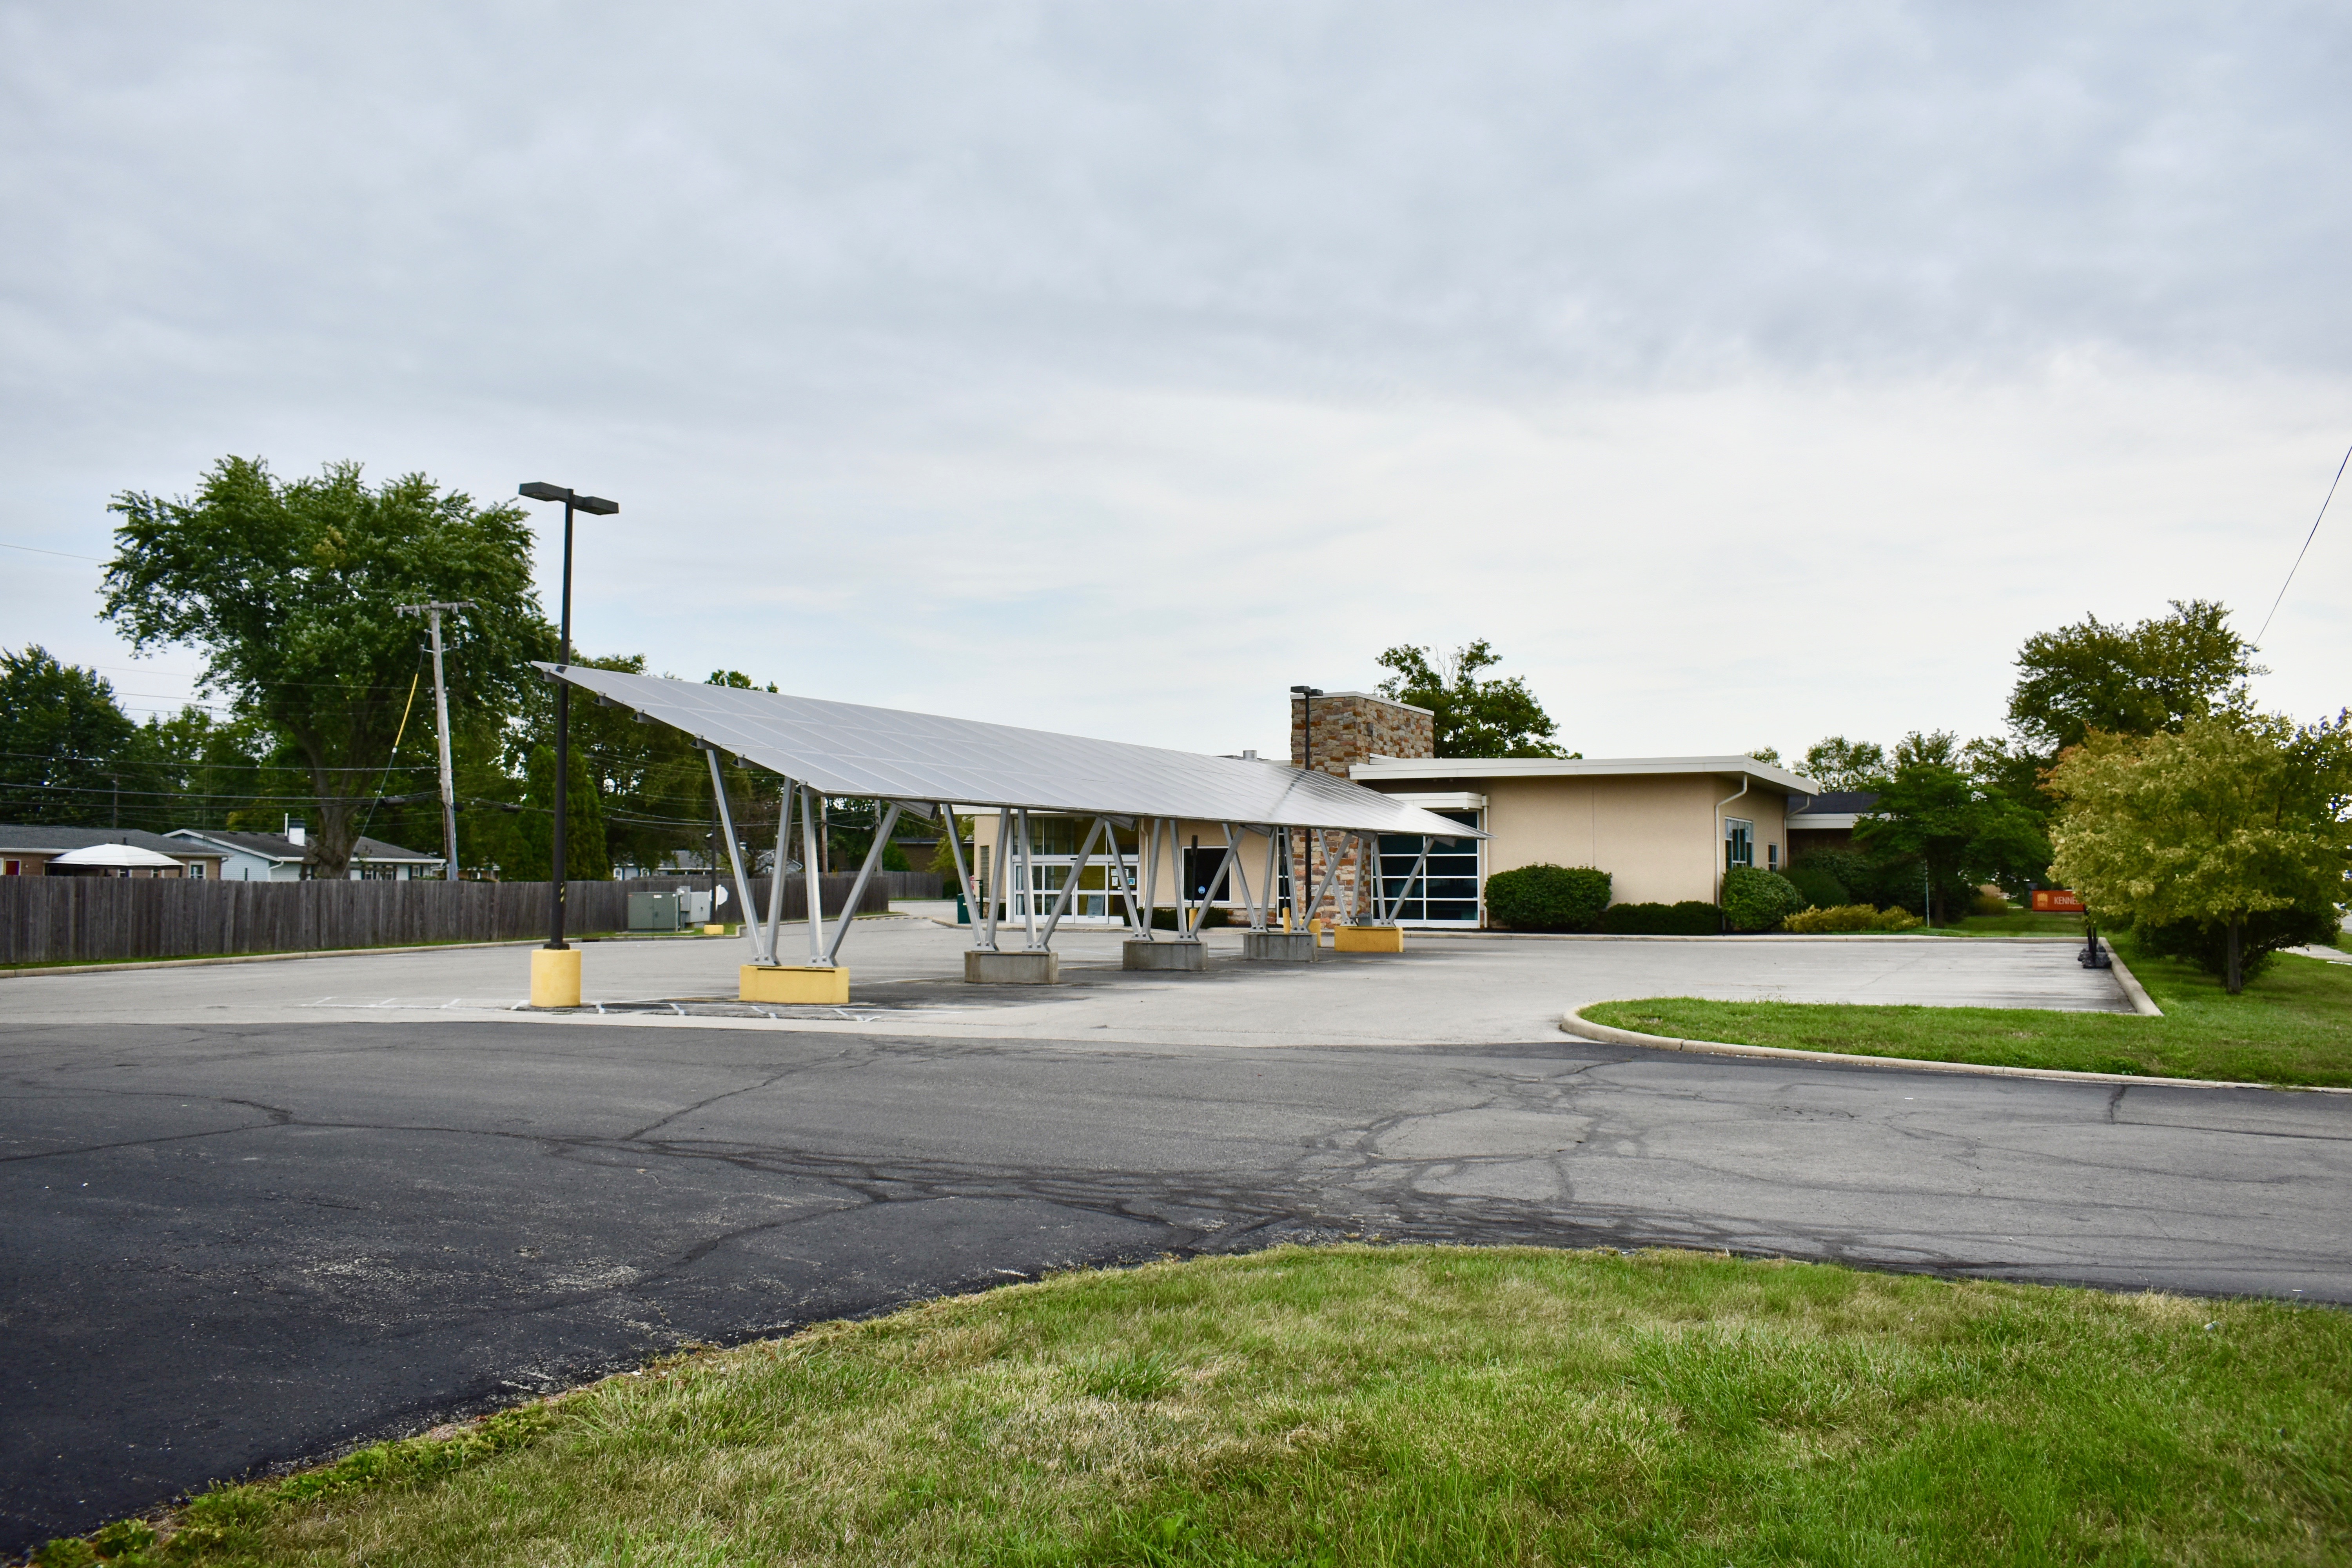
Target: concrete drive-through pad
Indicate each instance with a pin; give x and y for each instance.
(1441, 990)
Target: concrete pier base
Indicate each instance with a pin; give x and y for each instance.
(1368, 939)
(1279, 946)
(794, 984)
(1024, 966)
(555, 977)
(1170, 957)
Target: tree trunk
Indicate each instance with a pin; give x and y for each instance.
(332, 831)
(2235, 980)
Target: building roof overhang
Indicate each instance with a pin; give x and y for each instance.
(1383, 772)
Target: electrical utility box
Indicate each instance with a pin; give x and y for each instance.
(656, 911)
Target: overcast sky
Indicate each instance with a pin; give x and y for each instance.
(1743, 372)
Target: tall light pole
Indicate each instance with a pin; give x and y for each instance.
(441, 728)
(594, 506)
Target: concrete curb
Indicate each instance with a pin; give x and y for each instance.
(1465, 934)
(2136, 994)
(1573, 1022)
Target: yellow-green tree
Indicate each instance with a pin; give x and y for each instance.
(2233, 826)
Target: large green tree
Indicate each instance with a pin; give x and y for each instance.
(1931, 809)
(1837, 763)
(1473, 716)
(289, 589)
(65, 742)
(2230, 825)
(2153, 678)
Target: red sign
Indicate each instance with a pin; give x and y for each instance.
(2056, 902)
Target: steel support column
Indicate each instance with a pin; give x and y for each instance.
(965, 883)
(816, 888)
(864, 874)
(1028, 884)
(734, 855)
(767, 950)
(1070, 888)
(1238, 874)
(1419, 868)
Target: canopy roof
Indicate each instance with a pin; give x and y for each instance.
(118, 857)
(846, 748)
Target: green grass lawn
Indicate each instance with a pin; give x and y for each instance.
(2017, 922)
(1414, 1405)
(2293, 1026)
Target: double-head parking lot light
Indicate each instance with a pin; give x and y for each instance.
(558, 993)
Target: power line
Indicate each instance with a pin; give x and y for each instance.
(2305, 550)
(39, 550)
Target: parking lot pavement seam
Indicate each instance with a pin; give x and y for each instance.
(1573, 1022)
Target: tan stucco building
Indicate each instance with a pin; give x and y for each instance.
(1664, 828)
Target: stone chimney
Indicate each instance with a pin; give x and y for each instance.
(1352, 727)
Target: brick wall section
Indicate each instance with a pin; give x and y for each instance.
(1352, 727)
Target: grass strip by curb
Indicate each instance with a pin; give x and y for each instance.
(1405, 1405)
(2292, 1028)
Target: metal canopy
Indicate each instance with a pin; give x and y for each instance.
(848, 748)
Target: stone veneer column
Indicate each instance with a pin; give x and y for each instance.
(1352, 727)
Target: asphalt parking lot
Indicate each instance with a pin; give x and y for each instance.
(254, 1213)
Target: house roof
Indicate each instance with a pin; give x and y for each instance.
(1385, 769)
(39, 838)
(278, 847)
(1838, 803)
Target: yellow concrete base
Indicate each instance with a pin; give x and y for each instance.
(714, 931)
(794, 984)
(555, 977)
(1368, 939)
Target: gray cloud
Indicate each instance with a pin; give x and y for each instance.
(861, 264)
(1318, 194)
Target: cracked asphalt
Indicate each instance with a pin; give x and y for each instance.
(236, 1244)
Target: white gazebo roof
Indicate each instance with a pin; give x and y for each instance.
(118, 857)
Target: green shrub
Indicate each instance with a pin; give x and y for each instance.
(1849, 869)
(2259, 936)
(1547, 898)
(1989, 904)
(1850, 917)
(1755, 899)
(1818, 883)
(1689, 918)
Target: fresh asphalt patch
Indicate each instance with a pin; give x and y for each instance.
(230, 1247)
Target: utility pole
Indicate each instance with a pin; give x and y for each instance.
(432, 613)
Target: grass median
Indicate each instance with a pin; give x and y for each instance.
(1408, 1405)
(2293, 1026)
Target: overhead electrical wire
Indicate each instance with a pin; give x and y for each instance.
(2305, 551)
(39, 550)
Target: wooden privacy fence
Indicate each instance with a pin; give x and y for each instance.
(52, 919)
